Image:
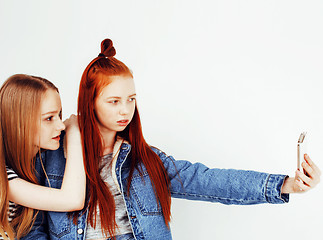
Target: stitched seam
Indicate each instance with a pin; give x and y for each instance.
(55, 177)
(141, 207)
(266, 188)
(216, 198)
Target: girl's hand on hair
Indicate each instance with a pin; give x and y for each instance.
(71, 123)
(303, 182)
(73, 134)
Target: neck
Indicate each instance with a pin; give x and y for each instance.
(108, 141)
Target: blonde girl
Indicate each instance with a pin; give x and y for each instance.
(30, 118)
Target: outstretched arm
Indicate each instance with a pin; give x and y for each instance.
(71, 195)
(303, 182)
(230, 186)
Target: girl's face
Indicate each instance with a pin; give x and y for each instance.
(51, 123)
(115, 105)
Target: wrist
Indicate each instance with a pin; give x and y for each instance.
(73, 134)
(288, 185)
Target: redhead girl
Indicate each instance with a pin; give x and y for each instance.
(30, 117)
(130, 183)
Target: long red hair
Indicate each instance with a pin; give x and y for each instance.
(95, 77)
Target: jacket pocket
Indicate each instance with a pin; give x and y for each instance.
(144, 195)
(59, 224)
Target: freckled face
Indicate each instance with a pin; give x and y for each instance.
(115, 105)
(51, 123)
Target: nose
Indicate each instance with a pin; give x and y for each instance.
(124, 109)
(60, 125)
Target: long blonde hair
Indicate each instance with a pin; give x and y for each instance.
(20, 99)
(4, 197)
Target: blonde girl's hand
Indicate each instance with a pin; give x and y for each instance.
(303, 182)
(72, 141)
(71, 123)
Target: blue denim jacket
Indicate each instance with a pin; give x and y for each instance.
(188, 181)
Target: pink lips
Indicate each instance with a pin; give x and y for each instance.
(56, 138)
(123, 122)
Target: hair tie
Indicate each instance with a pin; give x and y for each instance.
(101, 55)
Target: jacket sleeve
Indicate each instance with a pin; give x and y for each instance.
(227, 186)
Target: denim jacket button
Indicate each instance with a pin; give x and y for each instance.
(80, 231)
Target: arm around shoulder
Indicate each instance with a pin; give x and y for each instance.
(71, 195)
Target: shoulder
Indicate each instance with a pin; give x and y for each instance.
(156, 150)
(161, 154)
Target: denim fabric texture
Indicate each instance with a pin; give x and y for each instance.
(188, 181)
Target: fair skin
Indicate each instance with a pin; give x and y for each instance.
(72, 193)
(51, 124)
(303, 182)
(114, 109)
(115, 103)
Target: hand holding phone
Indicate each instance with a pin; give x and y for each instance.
(305, 179)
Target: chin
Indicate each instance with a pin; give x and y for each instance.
(55, 148)
(52, 147)
(121, 128)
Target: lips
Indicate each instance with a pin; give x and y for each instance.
(123, 122)
(56, 138)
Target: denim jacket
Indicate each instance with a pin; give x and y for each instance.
(188, 181)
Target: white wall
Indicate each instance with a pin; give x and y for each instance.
(227, 83)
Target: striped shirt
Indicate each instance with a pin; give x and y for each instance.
(12, 206)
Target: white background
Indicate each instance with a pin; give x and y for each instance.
(230, 84)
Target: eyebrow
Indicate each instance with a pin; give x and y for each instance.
(132, 95)
(53, 112)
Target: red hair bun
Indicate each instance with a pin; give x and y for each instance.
(107, 48)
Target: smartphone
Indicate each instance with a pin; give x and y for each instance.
(301, 150)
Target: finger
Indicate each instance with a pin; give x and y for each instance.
(312, 173)
(302, 187)
(66, 121)
(312, 164)
(308, 159)
(308, 170)
(305, 179)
